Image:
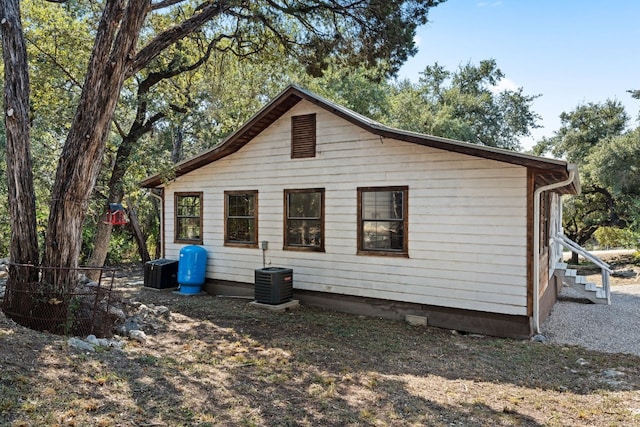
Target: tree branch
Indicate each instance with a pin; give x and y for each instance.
(54, 60)
(164, 3)
(174, 34)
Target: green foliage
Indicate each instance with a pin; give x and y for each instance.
(585, 128)
(595, 136)
(362, 90)
(610, 237)
(59, 42)
(615, 163)
(122, 248)
(464, 105)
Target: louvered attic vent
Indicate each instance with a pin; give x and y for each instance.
(303, 136)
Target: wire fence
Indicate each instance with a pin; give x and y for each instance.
(61, 300)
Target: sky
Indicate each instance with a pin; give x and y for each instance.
(570, 52)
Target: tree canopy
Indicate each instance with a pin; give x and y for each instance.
(597, 138)
(466, 105)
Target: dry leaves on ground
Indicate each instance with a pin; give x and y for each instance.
(222, 362)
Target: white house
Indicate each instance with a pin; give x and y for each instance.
(374, 220)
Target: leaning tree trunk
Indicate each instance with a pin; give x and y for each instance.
(139, 127)
(21, 195)
(137, 234)
(83, 151)
(116, 194)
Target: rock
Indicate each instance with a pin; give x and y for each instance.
(131, 324)
(117, 344)
(476, 336)
(81, 344)
(161, 310)
(143, 311)
(117, 312)
(539, 338)
(104, 342)
(612, 373)
(91, 339)
(626, 274)
(582, 362)
(138, 335)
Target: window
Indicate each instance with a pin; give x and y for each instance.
(304, 219)
(303, 136)
(241, 218)
(382, 221)
(188, 221)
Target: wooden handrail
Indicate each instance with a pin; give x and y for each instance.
(604, 267)
(574, 247)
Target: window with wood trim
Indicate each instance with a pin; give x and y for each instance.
(188, 217)
(383, 220)
(304, 219)
(303, 136)
(241, 218)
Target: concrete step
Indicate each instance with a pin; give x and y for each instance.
(588, 290)
(591, 292)
(591, 287)
(561, 266)
(602, 296)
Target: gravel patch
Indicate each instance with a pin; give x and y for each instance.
(611, 328)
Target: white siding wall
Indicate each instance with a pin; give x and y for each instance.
(467, 217)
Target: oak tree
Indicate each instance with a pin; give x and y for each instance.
(361, 32)
(595, 136)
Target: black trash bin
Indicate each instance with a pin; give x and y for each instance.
(273, 285)
(161, 273)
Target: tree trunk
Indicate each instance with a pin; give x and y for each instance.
(101, 244)
(137, 234)
(157, 209)
(139, 127)
(142, 125)
(21, 194)
(116, 195)
(574, 258)
(83, 151)
(178, 142)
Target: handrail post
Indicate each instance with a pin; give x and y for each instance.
(605, 284)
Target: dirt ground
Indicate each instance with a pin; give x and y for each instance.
(623, 262)
(213, 361)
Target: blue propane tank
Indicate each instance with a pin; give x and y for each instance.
(192, 267)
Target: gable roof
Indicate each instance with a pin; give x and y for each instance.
(546, 170)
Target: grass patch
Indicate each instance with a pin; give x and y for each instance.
(221, 362)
